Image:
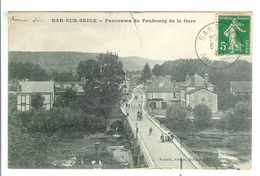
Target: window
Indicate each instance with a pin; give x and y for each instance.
(174, 95)
(203, 99)
(153, 105)
(23, 107)
(23, 98)
(164, 105)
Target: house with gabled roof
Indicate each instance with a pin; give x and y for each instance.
(196, 90)
(27, 89)
(162, 92)
(241, 88)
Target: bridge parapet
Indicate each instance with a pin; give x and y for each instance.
(145, 153)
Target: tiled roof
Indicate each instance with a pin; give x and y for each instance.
(36, 86)
(241, 86)
(163, 85)
(195, 80)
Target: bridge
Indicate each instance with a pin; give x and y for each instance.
(155, 153)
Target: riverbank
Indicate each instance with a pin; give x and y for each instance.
(81, 148)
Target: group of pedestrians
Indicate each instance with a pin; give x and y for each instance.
(167, 137)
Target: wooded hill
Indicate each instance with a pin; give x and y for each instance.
(68, 61)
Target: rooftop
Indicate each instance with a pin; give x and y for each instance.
(36, 86)
(195, 80)
(162, 84)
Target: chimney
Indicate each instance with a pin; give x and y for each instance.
(206, 79)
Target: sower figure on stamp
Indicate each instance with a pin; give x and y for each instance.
(234, 44)
(150, 130)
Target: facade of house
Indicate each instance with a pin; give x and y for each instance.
(241, 88)
(196, 90)
(27, 89)
(162, 92)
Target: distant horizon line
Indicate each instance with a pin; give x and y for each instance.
(122, 56)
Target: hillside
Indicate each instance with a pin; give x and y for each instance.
(68, 61)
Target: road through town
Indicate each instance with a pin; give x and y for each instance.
(163, 155)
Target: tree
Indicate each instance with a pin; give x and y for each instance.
(104, 77)
(157, 70)
(146, 74)
(242, 116)
(202, 116)
(66, 97)
(27, 70)
(239, 119)
(37, 101)
(177, 117)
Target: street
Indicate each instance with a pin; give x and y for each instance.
(163, 155)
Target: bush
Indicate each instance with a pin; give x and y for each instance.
(202, 116)
(238, 120)
(59, 119)
(177, 119)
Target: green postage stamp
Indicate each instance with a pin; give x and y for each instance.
(234, 33)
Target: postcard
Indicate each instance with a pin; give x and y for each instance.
(130, 90)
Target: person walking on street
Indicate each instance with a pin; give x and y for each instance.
(150, 130)
(162, 137)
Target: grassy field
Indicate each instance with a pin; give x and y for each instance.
(220, 150)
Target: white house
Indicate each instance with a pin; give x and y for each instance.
(196, 90)
(26, 89)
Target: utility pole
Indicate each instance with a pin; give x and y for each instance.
(180, 163)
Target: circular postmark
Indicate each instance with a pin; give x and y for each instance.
(218, 45)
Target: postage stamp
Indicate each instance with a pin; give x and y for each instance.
(222, 42)
(234, 33)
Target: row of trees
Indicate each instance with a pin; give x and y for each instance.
(237, 120)
(221, 78)
(34, 72)
(27, 70)
(178, 69)
(178, 117)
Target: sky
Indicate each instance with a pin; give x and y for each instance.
(152, 39)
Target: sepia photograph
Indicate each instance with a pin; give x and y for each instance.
(130, 90)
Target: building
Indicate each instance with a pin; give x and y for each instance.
(27, 89)
(241, 88)
(126, 86)
(162, 92)
(196, 90)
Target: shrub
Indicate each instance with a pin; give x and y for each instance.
(202, 116)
